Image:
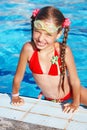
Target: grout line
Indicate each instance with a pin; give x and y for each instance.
(28, 111)
(69, 120)
(48, 115)
(79, 121)
(12, 108)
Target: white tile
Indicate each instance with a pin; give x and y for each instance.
(45, 120)
(50, 111)
(77, 126)
(4, 99)
(30, 100)
(12, 114)
(80, 116)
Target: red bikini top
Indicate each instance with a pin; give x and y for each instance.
(35, 67)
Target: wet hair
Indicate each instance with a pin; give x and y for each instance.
(47, 13)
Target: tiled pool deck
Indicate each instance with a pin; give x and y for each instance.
(42, 113)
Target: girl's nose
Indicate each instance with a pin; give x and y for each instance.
(41, 37)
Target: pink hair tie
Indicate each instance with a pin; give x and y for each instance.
(66, 23)
(35, 12)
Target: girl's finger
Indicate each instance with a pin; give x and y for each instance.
(67, 104)
(66, 109)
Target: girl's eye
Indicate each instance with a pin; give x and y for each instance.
(39, 31)
(49, 34)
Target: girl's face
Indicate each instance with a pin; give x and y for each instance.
(42, 38)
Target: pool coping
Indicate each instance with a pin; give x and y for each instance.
(39, 114)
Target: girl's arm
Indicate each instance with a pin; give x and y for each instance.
(19, 75)
(74, 80)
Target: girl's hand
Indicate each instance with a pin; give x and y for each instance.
(17, 101)
(70, 107)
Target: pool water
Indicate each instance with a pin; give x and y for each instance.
(15, 30)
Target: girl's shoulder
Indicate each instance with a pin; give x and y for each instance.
(28, 46)
(28, 49)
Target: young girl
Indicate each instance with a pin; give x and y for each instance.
(51, 62)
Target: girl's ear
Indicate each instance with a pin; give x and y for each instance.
(59, 34)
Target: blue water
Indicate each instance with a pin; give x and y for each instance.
(15, 30)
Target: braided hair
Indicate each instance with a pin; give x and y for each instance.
(62, 56)
(50, 12)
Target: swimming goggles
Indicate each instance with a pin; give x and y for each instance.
(48, 27)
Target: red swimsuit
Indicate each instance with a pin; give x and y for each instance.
(36, 68)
